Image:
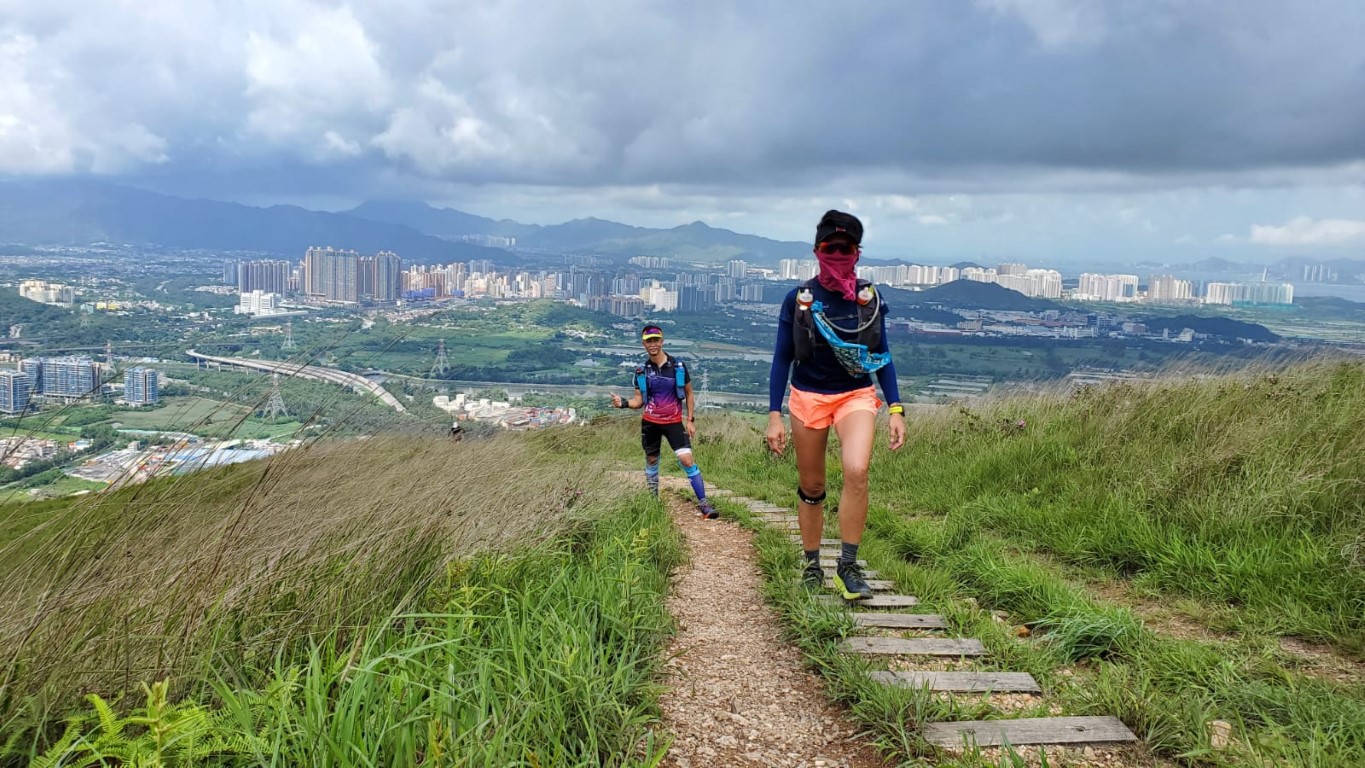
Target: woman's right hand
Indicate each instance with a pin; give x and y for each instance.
(777, 433)
(615, 400)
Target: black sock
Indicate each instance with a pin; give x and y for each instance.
(812, 557)
(848, 553)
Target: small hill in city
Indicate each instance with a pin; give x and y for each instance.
(1222, 327)
(970, 294)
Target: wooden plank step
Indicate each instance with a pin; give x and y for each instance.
(876, 601)
(963, 682)
(1032, 730)
(763, 506)
(900, 620)
(823, 542)
(878, 585)
(916, 646)
(868, 573)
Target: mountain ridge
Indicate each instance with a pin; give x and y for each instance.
(67, 212)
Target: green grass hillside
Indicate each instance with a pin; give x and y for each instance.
(1182, 551)
(380, 601)
(1173, 553)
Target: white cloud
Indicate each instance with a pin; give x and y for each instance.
(1056, 23)
(932, 220)
(319, 69)
(1305, 231)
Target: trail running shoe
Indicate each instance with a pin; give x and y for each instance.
(813, 577)
(707, 511)
(849, 579)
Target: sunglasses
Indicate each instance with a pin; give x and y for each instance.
(838, 246)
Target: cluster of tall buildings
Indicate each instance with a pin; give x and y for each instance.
(348, 277)
(70, 378)
(265, 275)
(1038, 283)
(326, 274)
(1168, 289)
(1045, 283)
(44, 292)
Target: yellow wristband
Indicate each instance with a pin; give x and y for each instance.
(897, 408)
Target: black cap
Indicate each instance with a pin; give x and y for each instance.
(838, 222)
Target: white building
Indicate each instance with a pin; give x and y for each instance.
(660, 298)
(44, 292)
(258, 303)
(1249, 293)
(1167, 288)
(1117, 288)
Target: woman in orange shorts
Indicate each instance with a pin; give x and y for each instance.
(831, 338)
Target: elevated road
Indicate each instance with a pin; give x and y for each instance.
(355, 382)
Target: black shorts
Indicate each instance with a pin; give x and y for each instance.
(651, 437)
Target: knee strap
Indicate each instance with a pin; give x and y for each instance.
(803, 496)
(692, 471)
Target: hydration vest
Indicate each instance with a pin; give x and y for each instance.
(679, 380)
(806, 336)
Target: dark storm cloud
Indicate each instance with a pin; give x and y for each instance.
(709, 95)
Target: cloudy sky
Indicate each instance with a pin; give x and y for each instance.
(1056, 130)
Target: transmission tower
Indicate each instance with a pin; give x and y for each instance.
(705, 387)
(288, 335)
(438, 368)
(274, 405)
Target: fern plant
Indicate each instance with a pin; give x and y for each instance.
(160, 734)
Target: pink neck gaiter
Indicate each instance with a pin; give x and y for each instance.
(837, 273)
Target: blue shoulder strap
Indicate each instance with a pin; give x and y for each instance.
(642, 384)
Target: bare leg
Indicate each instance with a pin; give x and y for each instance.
(809, 445)
(856, 432)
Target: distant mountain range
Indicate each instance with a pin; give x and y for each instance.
(689, 242)
(82, 212)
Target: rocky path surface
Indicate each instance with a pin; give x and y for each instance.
(738, 693)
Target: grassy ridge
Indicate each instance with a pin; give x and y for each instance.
(238, 567)
(543, 657)
(1246, 491)
(1239, 497)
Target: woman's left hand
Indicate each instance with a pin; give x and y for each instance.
(897, 431)
(691, 429)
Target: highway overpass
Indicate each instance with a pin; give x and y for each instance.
(355, 382)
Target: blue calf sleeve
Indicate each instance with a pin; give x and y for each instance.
(694, 476)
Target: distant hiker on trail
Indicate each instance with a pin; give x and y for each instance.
(831, 336)
(663, 387)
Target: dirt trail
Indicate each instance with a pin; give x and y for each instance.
(738, 693)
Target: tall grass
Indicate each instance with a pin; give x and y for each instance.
(1243, 491)
(237, 567)
(541, 657)
(1247, 489)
